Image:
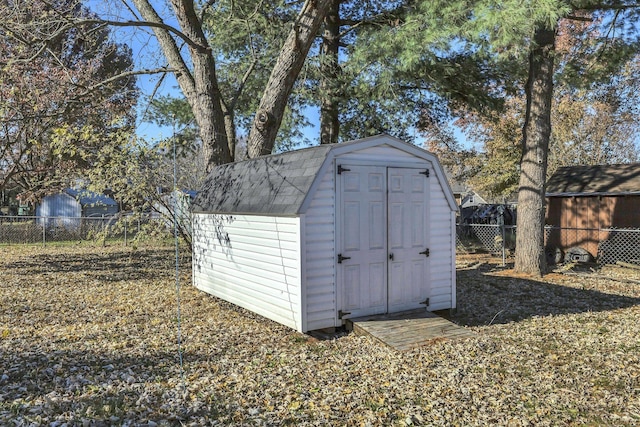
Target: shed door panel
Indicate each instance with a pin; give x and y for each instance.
(364, 240)
(383, 231)
(407, 201)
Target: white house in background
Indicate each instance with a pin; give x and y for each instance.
(472, 199)
(312, 237)
(178, 200)
(66, 207)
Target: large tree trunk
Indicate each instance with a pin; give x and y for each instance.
(530, 257)
(200, 86)
(205, 100)
(329, 69)
(268, 118)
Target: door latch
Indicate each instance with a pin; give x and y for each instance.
(341, 314)
(342, 169)
(391, 256)
(425, 252)
(342, 258)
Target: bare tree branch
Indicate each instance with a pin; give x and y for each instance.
(243, 82)
(169, 46)
(151, 24)
(126, 74)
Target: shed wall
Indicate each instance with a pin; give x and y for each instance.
(251, 261)
(442, 247)
(319, 253)
(99, 210)
(581, 217)
(381, 153)
(59, 205)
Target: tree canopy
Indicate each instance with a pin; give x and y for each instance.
(55, 89)
(594, 114)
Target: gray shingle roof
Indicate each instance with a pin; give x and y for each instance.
(456, 186)
(597, 179)
(275, 184)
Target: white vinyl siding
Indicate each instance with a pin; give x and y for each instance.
(381, 153)
(251, 261)
(61, 205)
(319, 253)
(441, 257)
(59, 210)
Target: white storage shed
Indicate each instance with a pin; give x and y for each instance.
(66, 208)
(312, 237)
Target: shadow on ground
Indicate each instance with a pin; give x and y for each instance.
(484, 298)
(103, 266)
(104, 388)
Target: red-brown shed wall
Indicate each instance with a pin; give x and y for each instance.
(581, 217)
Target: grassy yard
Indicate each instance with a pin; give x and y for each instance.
(88, 337)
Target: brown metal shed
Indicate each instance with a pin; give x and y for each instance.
(583, 200)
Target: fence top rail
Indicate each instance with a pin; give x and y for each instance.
(555, 227)
(31, 217)
(486, 225)
(609, 229)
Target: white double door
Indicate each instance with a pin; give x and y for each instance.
(383, 256)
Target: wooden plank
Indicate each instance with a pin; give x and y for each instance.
(407, 330)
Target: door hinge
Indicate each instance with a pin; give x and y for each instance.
(342, 258)
(425, 173)
(341, 314)
(425, 252)
(425, 302)
(341, 169)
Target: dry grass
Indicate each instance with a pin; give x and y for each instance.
(88, 337)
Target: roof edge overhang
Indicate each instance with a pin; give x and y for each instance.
(235, 213)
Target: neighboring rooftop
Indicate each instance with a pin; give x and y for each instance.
(86, 197)
(595, 180)
(456, 186)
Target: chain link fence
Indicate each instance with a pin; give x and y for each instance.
(16, 230)
(605, 246)
(621, 245)
(494, 239)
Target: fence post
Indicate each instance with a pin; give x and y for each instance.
(501, 210)
(125, 233)
(504, 243)
(44, 233)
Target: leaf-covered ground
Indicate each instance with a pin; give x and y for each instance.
(88, 336)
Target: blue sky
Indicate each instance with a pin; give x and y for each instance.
(146, 55)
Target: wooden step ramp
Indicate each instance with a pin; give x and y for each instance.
(410, 329)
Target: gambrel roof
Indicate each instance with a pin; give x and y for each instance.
(275, 184)
(279, 184)
(594, 180)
